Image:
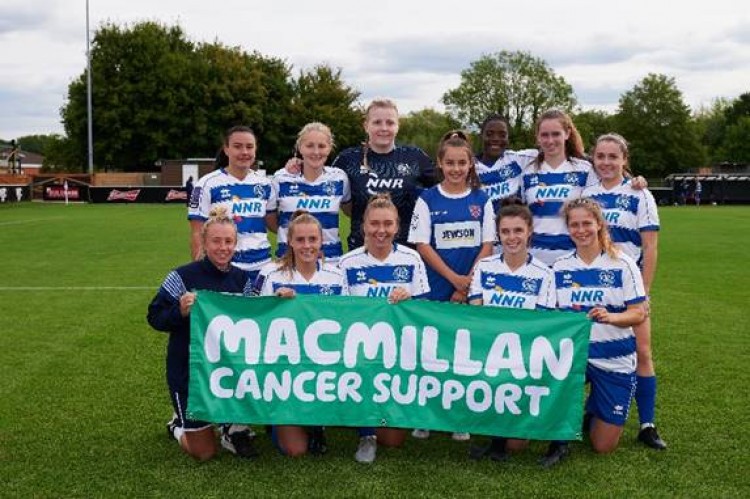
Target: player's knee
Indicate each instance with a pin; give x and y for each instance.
(202, 455)
(604, 445)
(391, 438)
(296, 449)
(516, 445)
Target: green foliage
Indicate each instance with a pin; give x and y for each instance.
(425, 128)
(34, 143)
(735, 148)
(60, 155)
(158, 95)
(711, 124)
(592, 124)
(320, 94)
(85, 401)
(514, 84)
(656, 121)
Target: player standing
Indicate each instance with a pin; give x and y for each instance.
(318, 189)
(248, 197)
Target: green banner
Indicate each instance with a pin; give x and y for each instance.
(353, 361)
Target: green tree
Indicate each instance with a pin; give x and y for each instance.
(592, 124)
(320, 94)
(237, 88)
(514, 84)
(34, 143)
(158, 95)
(735, 146)
(654, 118)
(425, 128)
(60, 156)
(711, 123)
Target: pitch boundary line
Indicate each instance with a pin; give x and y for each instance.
(19, 222)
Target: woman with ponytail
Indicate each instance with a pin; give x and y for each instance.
(603, 282)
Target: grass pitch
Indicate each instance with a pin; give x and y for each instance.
(84, 401)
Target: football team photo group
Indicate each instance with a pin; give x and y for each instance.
(562, 226)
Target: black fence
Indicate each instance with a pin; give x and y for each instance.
(137, 195)
(720, 189)
(14, 193)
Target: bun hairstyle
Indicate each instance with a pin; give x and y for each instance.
(592, 207)
(217, 216)
(299, 217)
(459, 139)
(621, 143)
(573, 144)
(514, 207)
(380, 201)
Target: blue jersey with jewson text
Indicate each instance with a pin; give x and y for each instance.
(455, 226)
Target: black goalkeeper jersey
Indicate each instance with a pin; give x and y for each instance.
(403, 173)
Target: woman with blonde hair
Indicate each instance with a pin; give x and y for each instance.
(601, 281)
(169, 311)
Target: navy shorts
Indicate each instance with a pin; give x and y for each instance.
(609, 399)
(179, 403)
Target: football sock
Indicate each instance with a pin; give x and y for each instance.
(645, 398)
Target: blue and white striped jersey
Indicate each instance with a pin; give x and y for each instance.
(367, 276)
(531, 286)
(247, 202)
(322, 198)
(608, 282)
(328, 280)
(545, 190)
(628, 212)
(455, 226)
(503, 178)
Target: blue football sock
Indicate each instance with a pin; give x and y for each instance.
(645, 398)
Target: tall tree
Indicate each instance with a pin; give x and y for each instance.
(592, 124)
(711, 123)
(735, 146)
(654, 118)
(159, 95)
(514, 84)
(320, 94)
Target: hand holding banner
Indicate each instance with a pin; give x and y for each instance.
(352, 361)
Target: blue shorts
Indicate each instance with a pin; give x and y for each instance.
(609, 399)
(179, 403)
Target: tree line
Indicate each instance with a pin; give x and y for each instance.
(158, 95)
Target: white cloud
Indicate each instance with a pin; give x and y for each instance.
(412, 51)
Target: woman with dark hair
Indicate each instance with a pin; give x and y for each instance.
(248, 197)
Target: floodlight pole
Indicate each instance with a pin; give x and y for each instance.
(88, 95)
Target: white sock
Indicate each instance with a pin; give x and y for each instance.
(177, 433)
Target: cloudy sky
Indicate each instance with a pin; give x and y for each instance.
(409, 50)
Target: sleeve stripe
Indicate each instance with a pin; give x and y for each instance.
(174, 286)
